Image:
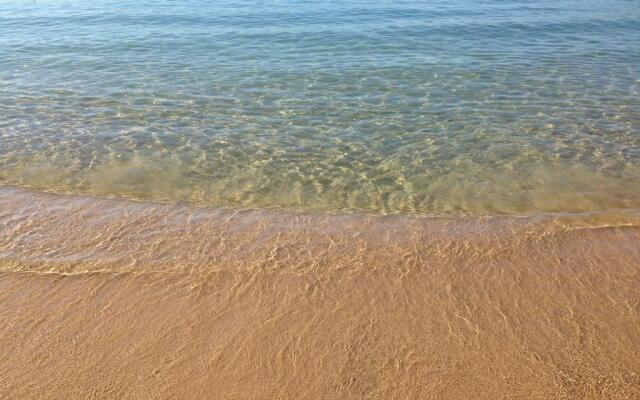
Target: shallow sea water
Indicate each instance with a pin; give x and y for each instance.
(428, 107)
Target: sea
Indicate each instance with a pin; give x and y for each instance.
(378, 107)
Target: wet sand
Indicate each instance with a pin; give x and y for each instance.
(108, 298)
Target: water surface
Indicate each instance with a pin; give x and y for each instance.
(433, 107)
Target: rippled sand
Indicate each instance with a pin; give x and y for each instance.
(116, 299)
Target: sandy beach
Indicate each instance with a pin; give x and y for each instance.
(118, 299)
(383, 200)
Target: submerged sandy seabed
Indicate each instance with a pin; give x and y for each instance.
(117, 299)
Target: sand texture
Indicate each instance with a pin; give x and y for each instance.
(113, 299)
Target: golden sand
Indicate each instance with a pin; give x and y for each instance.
(115, 299)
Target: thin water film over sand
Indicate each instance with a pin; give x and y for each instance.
(117, 298)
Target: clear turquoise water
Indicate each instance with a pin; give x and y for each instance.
(438, 107)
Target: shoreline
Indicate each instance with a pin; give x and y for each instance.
(122, 299)
(76, 231)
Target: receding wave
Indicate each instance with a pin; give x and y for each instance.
(71, 234)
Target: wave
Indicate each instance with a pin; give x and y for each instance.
(68, 234)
